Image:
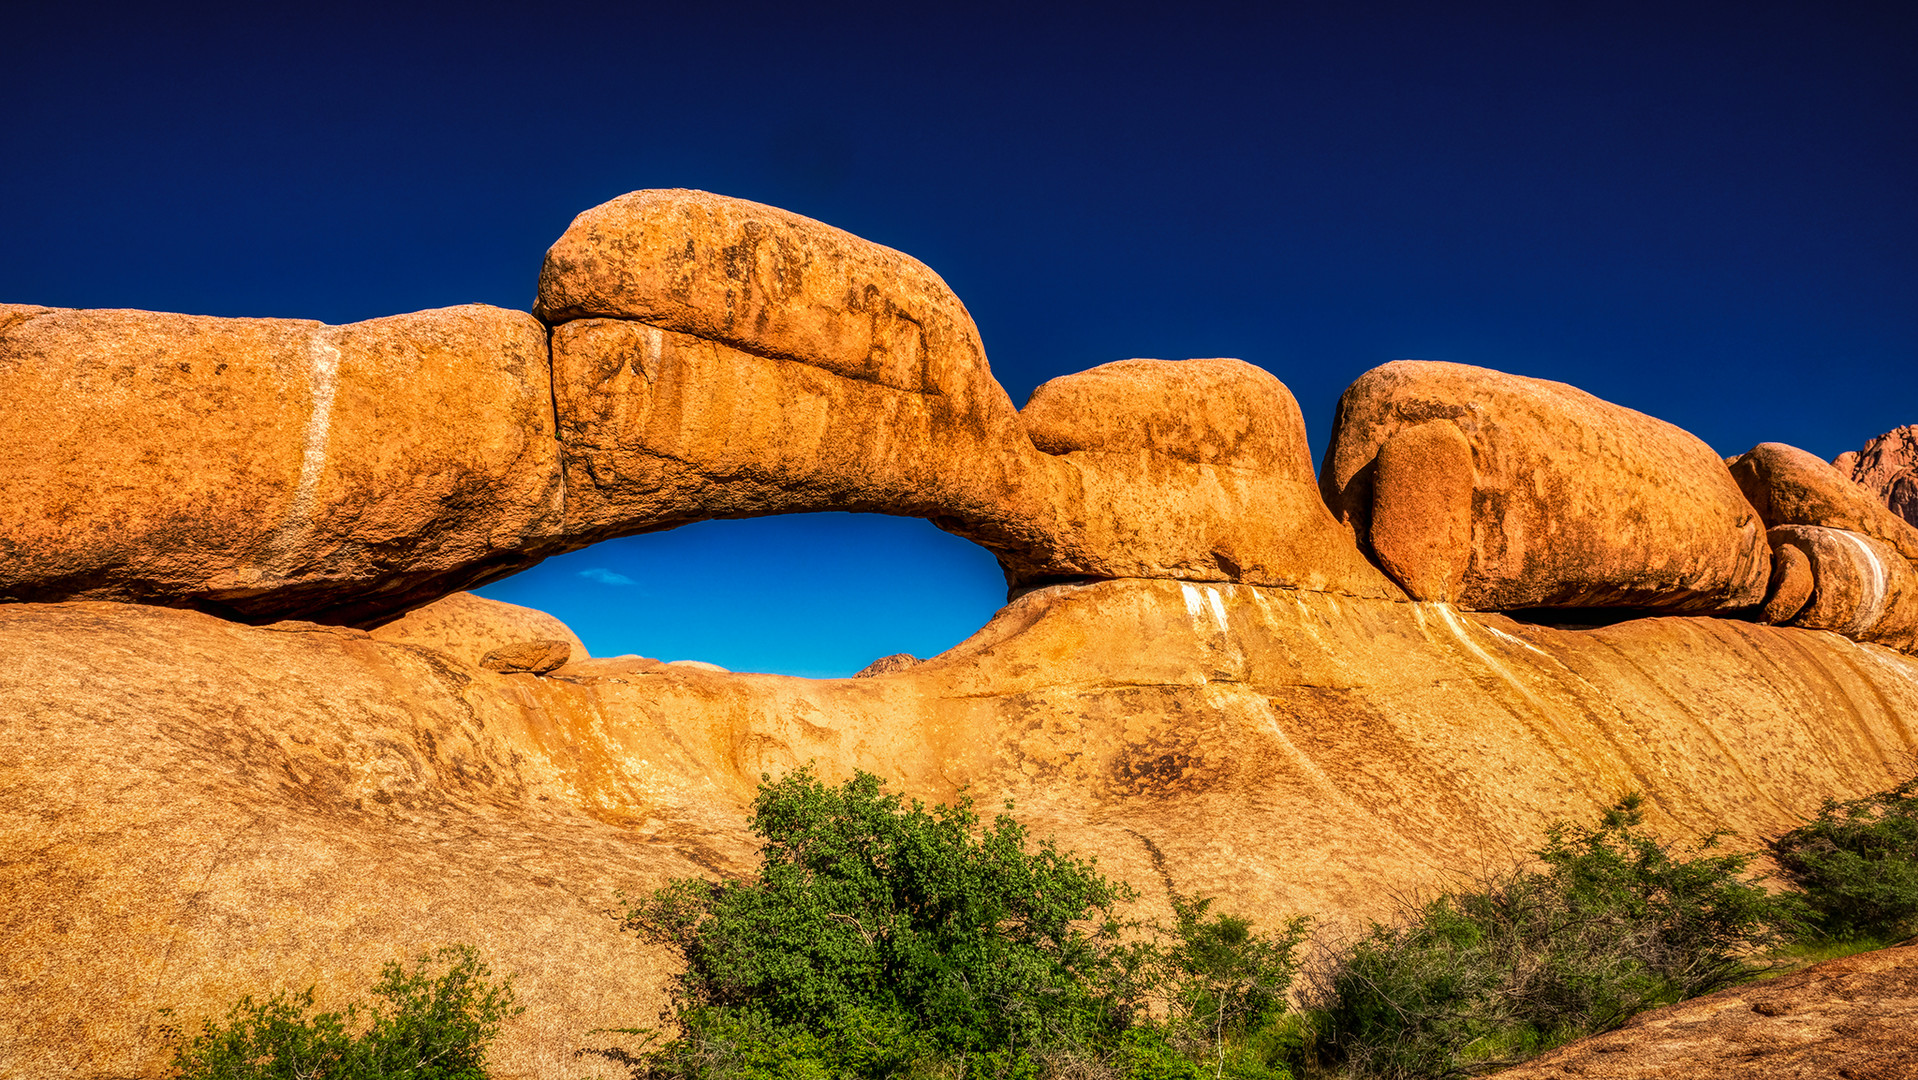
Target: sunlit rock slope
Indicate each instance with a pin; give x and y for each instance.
(249, 742)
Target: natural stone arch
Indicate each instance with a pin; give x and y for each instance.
(709, 358)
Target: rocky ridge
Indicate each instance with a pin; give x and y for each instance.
(1888, 465)
(258, 738)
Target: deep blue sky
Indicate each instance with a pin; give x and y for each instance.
(1709, 213)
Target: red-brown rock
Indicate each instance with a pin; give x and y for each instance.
(1888, 465)
(1421, 524)
(1195, 470)
(535, 657)
(886, 665)
(1858, 586)
(1846, 1019)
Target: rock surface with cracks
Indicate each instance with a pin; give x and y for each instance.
(1845, 1019)
(272, 468)
(191, 808)
(1888, 465)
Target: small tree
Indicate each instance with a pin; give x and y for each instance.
(879, 936)
(1221, 979)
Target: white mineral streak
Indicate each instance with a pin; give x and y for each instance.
(1871, 603)
(1194, 604)
(298, 520)
(1217, 603)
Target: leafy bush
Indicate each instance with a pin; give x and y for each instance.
(1857, 863)
(1219, 989)
(881, 938)
(1613, 923)
(429, 1028)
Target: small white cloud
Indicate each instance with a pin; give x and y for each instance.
(606, 577)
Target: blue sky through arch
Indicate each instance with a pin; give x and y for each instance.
(818, 595)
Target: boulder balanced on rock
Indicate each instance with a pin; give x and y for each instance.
(1834, 579)
(1196, 470)
(1842, 560)
(1788, 486)
(1499, 492)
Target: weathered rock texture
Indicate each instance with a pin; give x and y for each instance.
(468, 627)
(1888, 465)
(886, 665)
(191, 808)
(535, 657)
(1855, 585)
(1203, 681)
(714, 358)
(1847, 1019)
(1842, 560)
(718, 358)
(1791, 487)
(1573, 502)
(270, 468)
(1195, 470)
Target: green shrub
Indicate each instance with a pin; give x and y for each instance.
(1218, 989)
(1613, 923)
(1857, 863)
(428, 1028)
(882, 938)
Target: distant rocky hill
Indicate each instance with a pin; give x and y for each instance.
(255, 735)
(1888, 465)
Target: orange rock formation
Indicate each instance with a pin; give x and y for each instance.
(1203, 680)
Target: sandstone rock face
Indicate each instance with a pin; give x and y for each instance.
(849, 373)
(191, 809)
(1210, 412)
(1421, 524)
(1791, 487)
(1844, 1019)
(267, 468)
(535, 657)
(468, 627)
(766, 281)
(195, 809)
(16, 313)
(1575, 502)
(660, 428)
(1888, 465)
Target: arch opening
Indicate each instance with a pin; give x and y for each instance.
(814, 595)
